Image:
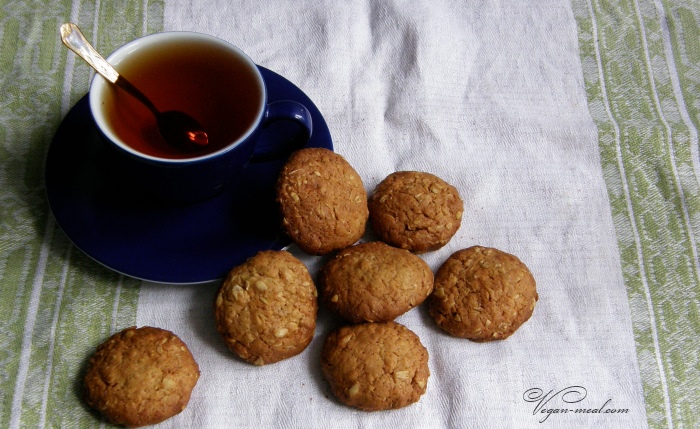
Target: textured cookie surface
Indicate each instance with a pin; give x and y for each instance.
(375, 366)
(374, 282)
(322, 200)
(416, 211)
(140, 377)
(266, 308)
(482, 294)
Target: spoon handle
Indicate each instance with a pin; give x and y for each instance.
(73, 38)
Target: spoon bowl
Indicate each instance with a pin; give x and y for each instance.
(179, 129)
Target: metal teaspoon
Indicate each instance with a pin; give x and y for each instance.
(177, 128)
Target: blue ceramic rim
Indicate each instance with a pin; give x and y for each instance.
(98, 82)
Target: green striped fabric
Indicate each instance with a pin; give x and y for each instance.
(641, 64)
(56, 304)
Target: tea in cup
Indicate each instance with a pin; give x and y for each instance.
(207, 78)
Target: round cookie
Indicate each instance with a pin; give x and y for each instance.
(375, 366)
(374, 282)
(266, 308)
(140, 377)
(416, 211)
(482, 294)
(322, 200)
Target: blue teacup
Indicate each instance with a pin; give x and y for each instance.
(207, 78)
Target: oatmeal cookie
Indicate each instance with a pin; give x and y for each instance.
(140, 377)
(416, 211)
(482, 294)
(374, 282)
(322, 200)
(266, 308)
(375, 366)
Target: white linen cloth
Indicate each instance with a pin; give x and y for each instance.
(489, 96)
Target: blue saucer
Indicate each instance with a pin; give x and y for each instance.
(138, 236)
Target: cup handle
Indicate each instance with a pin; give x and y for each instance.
(281, 144)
